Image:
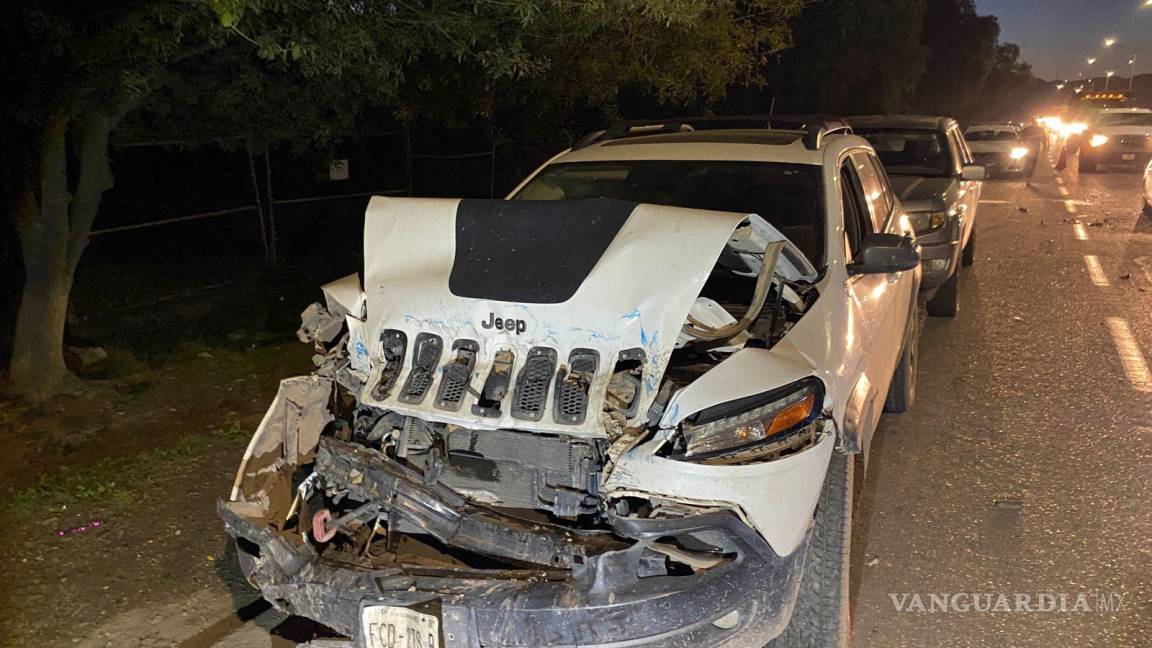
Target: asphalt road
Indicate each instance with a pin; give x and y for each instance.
(1023, 467)
(1021, 470)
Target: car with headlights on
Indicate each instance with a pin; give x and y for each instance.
(1117, 137)
(1000, 149)
(622, 407)
(939, 182)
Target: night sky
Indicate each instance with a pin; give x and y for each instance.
(1056, 36)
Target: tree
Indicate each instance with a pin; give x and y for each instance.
(962, 46)
(854, 56)
(298, 69)
(72, 70)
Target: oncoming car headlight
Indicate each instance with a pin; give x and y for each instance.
(1018, 152)
(1097, 140)
(755, 428)
(927, 221)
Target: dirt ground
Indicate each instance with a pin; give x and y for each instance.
(110, 495)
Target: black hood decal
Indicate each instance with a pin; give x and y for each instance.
(531, 251)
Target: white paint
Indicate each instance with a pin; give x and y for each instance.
(1081, 231)
(1063, 190)
(1131, 357)
(1096, 271)
(1070, 206)
(777, 498)
(636, 296)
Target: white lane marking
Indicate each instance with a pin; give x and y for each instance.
(1081, 232)
(1132, 359)
(1063, 190)
(1070, 206)
(1059, 180)
(1095, 270)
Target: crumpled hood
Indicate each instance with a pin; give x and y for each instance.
(603, 275)
(922, 194)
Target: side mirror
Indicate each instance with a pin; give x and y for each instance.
(884, 253)
(973, 172)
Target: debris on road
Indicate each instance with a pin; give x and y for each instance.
(83, 528)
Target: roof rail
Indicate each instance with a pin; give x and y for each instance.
(812, 127)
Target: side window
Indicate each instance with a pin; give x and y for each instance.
(857, 223)
(875, 190)
(885, 184)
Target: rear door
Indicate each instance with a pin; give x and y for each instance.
(968, 197)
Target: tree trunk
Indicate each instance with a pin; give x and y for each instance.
(53, 233)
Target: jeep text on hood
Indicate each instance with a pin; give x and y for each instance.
(574, 405)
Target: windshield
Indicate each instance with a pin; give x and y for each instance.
(786, 195)
(989, 135)
(1124, 119)
(918, 152)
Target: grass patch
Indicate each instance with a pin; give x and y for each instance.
(119, 480)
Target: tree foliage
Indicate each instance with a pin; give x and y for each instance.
(273, 70)
(852, 56)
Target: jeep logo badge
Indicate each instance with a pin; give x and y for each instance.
(505, 324)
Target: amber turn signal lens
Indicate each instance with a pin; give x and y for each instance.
(792, 415)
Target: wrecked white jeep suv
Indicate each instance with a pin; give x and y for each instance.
(616, 409)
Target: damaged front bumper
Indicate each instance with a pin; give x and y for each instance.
(577, 587)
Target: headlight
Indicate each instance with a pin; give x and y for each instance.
(927, 221)
(1018, 152)
(1097, 140)
(779, 422)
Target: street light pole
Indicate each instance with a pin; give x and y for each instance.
(1131, 72)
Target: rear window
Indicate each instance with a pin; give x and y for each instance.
(905, 151)
(789, 196)
(989, 135)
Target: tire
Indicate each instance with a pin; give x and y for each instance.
(902, 389)
(946, 301)
(1148, 209)
(820, 618)
(968, 255)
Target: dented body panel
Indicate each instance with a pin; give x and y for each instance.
(666, 253)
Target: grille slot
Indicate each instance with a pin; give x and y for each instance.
(532, 384)
(456, 375)
(495, 385)
(572, 383)
(395, 343)
(425, 357)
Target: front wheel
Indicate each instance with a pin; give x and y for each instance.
(968, 256)
(820, 618)
(946, 301)
(902, 389)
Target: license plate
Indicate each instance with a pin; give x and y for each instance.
(383, 626)
(1128, 156)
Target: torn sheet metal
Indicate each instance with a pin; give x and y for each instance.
(635, 296)
(345, 296)
(287, 435)
(749, 242)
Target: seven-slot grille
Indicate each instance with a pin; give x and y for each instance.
(529, 394)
